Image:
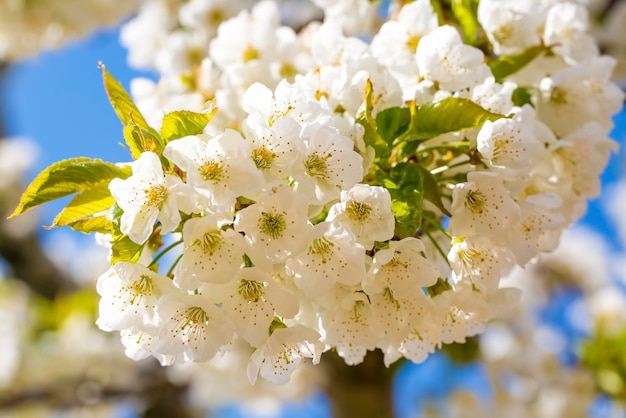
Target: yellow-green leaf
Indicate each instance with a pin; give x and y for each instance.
(93, 224)
(138, 135)
(67, 177)
(139, 140)
(182, 123)
(124, 249)
(365, 117)
(85, 204)
(466, 12)
(123, 105)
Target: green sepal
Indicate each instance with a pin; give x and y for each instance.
(183, 123)
(466, 12)
(439, 287)
(68, 177)
(445, 116)
(510, 64)
(277, 323)
(522, 96)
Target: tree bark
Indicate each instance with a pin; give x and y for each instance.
(362, 391)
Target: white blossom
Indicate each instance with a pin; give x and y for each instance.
(149, 195)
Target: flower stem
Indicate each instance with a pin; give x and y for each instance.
(165, 251)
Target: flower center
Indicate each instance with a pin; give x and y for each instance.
(317, 166)
(211, 242)
(211, 171)
(263, 157)
(272, 224)
(155, 195)
(251, 290)
(250, 54)
(141, 287)
(475, 201)
(359, 211)
(558, 96)
(322, 247)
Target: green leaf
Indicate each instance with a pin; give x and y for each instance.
(521, 96)
(182, 123)
(510, 64)
(123, 105)
(365, 118)
(139, 140)
(392, 122)
(138, 135)
(446, 116)
(432, 192)
(67, 177)
(93, 224)
(85, 204)
(124, 249)
(409, 185)
(407, 198)
(466, 12)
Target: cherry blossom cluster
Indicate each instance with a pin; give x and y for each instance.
(288, 216)
(27, 27)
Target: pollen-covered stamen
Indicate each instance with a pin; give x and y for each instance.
(322, 247)
(211, 242)
(316, 165)
(475, 201)
(558, 96)
(356, 310)
(250, 54)
(263, 157)
(504, 34)
(190, 324)
(155, 195)
(211, 171)
(359, 211)
(140, 288)
(272, 224)
(251, 290)
(411, 43)
(388, 294)
(471, 257)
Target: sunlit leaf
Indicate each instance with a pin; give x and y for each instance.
(182, 123)
(466, 12)
(365, 118)
(392, 122)
(90, 202)
(123, 105)
(93, 224)
(67, 177)
(446, 116)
